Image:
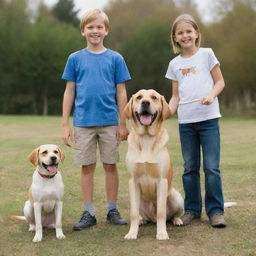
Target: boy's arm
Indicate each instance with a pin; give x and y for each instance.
(218, 86)
(174, 101)
(122, 131)
(68, 100)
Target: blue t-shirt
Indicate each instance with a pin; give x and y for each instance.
(95, 77)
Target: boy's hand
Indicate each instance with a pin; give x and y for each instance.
(122, 132)
(67, 135)
(207, 100)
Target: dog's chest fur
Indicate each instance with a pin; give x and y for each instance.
(147, 148)
(147, 175)
(47, 191)
(148, 161)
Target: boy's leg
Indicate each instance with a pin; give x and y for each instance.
(88, 217)
(112, 183)
(87, 185)
(85, 155)
(108, 146)
(87, 173)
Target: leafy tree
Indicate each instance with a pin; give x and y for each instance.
(45, 53)
(126, 16)
(13, 30)
(64, 12)
(147, 53)
(34, 51)
(32, 59)
(232, 38)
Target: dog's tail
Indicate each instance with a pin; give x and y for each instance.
(18, 218)
(229, 204)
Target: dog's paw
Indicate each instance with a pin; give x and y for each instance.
(32, 227)
(162, 236)
(130, 236)
(177, 222)
(59, 234)
(37, 238)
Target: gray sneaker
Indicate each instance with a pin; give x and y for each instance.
(189, 217)
(86, 221)
(218, 221)
(115, 218)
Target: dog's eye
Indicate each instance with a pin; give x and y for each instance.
(56, 152)
(45, 152)
(139, 97)
(153, 97)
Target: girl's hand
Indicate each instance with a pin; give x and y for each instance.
(207, 100)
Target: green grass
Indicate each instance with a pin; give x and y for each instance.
(19, 135)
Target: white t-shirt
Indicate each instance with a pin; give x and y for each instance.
(194, 78)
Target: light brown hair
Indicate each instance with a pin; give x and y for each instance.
(188, 19)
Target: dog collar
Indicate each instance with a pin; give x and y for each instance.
(46, 176)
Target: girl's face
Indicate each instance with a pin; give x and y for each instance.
(95, 32)
(185, 35)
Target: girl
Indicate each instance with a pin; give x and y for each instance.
(196, 82)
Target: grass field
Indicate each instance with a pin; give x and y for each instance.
(19, 135)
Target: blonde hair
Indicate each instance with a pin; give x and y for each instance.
(188, 19)
(93, 15)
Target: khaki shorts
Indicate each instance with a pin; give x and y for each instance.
(86, 140)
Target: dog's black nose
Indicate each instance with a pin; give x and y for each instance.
(145, 103)
(53, 158)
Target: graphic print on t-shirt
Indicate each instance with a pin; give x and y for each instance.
(188, 71)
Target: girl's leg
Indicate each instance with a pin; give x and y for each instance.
(210, 139)
(190, 145)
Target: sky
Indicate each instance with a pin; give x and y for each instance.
(85, 5)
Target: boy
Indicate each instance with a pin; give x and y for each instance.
(96, 77)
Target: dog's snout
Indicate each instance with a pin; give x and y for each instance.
(145, 103)
(53, 158)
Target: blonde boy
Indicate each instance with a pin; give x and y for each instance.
(96, 79)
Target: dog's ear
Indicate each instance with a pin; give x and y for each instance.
(34, 157)
(62, 156)
(128, 109)
(166, 112)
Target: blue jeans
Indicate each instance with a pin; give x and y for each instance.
(193, 137)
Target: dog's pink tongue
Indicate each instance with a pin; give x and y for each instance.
(52, 168)
(146, 120)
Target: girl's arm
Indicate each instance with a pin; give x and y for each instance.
(174, 102)
(68, 101)
(218, 86)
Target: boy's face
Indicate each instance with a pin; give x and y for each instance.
(95, 32)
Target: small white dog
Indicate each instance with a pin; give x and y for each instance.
(44, 207)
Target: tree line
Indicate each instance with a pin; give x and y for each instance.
(34, 47)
